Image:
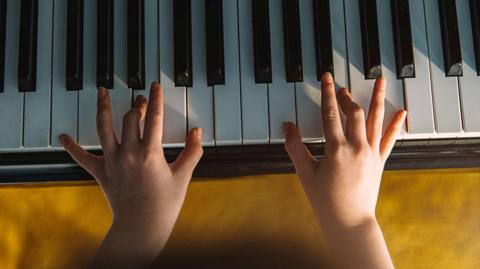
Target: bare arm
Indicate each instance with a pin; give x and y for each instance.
(343, 187)
(144, 192)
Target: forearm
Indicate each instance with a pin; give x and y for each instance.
(361, 246)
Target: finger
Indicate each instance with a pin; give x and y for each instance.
(376, 113)
(105, 129)
(86, 160)
(190, 155)
(131, 122)
(141, 104)
(356, 129)
(154, 119)
(301, 157)
(390, 137)
(332, 124)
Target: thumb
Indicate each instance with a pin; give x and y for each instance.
(301, 157)
(390, 137)
(190, 155)
(86, 160)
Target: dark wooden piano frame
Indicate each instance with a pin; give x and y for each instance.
(224, 162)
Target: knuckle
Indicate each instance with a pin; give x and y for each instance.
(337, 152)
(155, 112)
(128, 160)
(288, 146)
(330, 112)
(132, 114)
(103, 109)
(335, 147)
(151, 153)
(357, 112)
(362, 149)
(198, 151)
(327, 84)
(377, 103)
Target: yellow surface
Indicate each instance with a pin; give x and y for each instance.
(430, 220)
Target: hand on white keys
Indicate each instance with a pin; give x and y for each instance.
(144, 192)
(343, 187)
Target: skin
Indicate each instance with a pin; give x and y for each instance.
(343, 187)
(145, 193)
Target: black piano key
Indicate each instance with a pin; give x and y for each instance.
(323, 37)
(182, 40)
(74, 70)
(372, 62)
(293, 41)
(3, 24)
(27, 62)
(402, 34)
(261, 41)
(136, 44)
(105, 47)
(452, 54)
(214, 29)
(475, 16)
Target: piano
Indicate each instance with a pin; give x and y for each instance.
(238, 69)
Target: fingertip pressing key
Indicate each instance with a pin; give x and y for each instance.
(327, 78)
(63, 139)
(287, 127)
(154, 85)
(102, 93)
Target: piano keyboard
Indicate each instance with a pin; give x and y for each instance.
(236, 68)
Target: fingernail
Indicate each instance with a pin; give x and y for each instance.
(102, 92)
(139, 100)
(62, 138)
(197, 132)
(327, 76)
(154, 84)
(344, 91)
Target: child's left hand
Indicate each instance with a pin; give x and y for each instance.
(144, 192)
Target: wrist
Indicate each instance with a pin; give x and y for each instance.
(347, 220)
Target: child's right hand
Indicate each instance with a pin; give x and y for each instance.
(343, 187)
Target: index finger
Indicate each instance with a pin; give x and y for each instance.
(153, 131)
(332, 124)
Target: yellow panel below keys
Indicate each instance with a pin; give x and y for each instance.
(430, 218)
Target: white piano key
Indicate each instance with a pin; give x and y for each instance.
(64, 117)
(339, 43)
(151, 46)
(87, 127)
(11, 101)
(175, 114)
(200, 96)
(470, 83)
(36, 123)
(360, 88)
(228, 128)
(120, 95)
(394, 93)
(281, 94)
(418, 92)
(308, 93)
(444, 89)
(255, 126)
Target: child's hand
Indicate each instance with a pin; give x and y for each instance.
(343, 187)
(144, 192)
